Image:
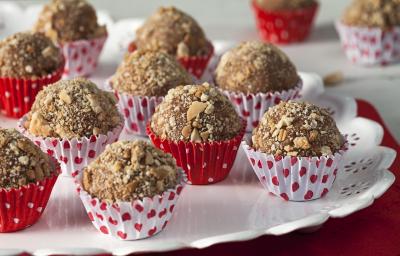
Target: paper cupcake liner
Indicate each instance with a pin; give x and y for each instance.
(370, 46)
(82, 56)
(251, 107)
(73, 154)
(295, 178)
(203, 163)
(131, 220)
(21, 208)
(18, 95)
(196, 65)
(286, 26)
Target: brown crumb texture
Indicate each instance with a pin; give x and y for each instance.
(197, 113)
(28, 55)
(373, 13)
(256, 67)
(130, 170)
(174, 32)
(69, 20)
(73, 109)
(297, 129)
(149, 73)
(21, 161)
(273, 5)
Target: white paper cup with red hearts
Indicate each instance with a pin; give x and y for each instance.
(73, 154)
(133, 220)
(295, 178)
(370, 46)
(251, 107)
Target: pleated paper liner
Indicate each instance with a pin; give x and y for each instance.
(131, 220)
(295, 178)
(82, 56)
(21, 208)
(204, 163)
(370, 46)
(73, 154)
(284, 26)
(251, 107)
(17, 95)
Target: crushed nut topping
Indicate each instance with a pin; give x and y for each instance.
(130, 170)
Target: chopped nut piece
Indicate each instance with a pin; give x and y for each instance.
(186, 131)
(282, 135)
(195, 136)
(325, 151)
(333, 78)
(63, 95)
(195, 108)
(301, 142)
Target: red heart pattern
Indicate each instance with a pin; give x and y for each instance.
(138, 226)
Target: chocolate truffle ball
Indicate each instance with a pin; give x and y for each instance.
(297, 129)
(28, 55)
(373, 13)
(73, 109)
(174, 32)
(284, 4)
(197, 113)
(69, 20)
(256, 67)
(149, 73)
(130, 170)
(21, 161)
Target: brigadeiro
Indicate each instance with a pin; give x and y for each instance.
(130, 190)
(141, 81)
(255, 76)
(199, 126)
(296, 151)
(73, 120)
(370, 31)
(27, 177)
(28, 61)
(175, 32)
(73, 25)
(284, 21)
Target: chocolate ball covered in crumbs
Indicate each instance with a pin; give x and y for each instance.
(69, 20)
(197, 113)
(373, 13)
(130, 170)
(284, 4)
(297, 129)
(174, 32)
(256, 67)
(21, 161)
(28, 55)
(73, 109)
(149, 73)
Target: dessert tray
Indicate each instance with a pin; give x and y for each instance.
(235, 209)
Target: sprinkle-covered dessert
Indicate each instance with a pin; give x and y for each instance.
(197, 113)
(297, 129)
(28, 55)
(69, 20)
(174, 32)
(149, 73)
(284, 4)
(21, 161)
(130, 170)
(256, 67)
(73, 109)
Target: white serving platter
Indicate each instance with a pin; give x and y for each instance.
(233, 210)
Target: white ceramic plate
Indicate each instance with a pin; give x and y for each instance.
(233, 210)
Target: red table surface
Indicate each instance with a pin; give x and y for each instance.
(371, 231)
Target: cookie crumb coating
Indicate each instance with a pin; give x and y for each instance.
(197, 113)
(383, 14)
(256, 67)
(149, 73)
(73, 109)
(297, 129)
(130, 170)
(277, 5)
(28, 55)
(174, 32)
(69, 20)
(21, 161)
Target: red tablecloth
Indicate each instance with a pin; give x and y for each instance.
(372, 231)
